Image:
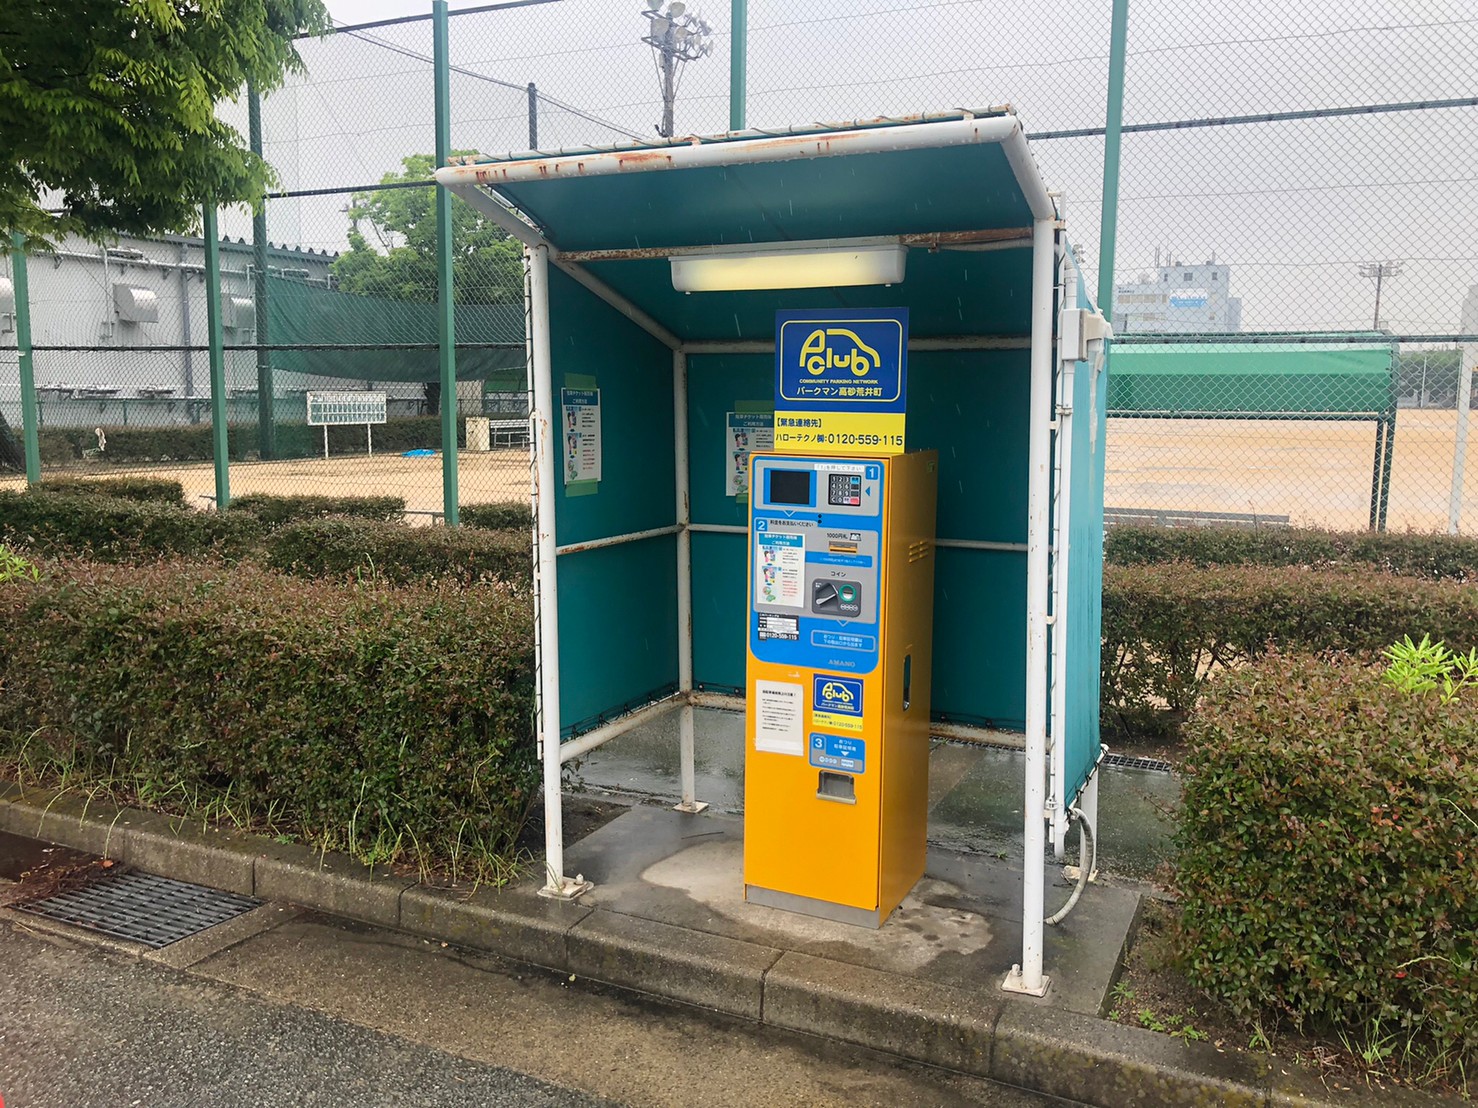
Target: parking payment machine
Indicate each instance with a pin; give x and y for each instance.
(841, 596)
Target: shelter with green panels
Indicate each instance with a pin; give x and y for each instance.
(641, 535)
(1272, 377)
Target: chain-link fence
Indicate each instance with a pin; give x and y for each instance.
(1299, 199)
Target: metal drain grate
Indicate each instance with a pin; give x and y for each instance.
(1126, 762)
(142, 908)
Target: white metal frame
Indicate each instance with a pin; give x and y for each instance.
(477, 183)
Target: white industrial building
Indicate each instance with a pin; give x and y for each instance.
(116, 306)
(1178, 299)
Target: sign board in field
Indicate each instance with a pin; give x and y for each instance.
(339, 408)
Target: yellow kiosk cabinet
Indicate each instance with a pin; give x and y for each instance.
(841, 598)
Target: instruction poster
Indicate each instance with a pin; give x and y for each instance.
(780, 570)
(581, 433)
(747, 433)
(777, 717)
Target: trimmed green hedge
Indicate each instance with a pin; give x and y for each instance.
(1328, 855)
(398, 553)
(1167, 628)
(392, 722)
(114, 530)
(153, 489)
(508, 516)
(274, 511)
(1418, 555)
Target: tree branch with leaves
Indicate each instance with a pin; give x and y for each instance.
(107, 109)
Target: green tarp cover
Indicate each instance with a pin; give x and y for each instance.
(1252, 379)
(307, 314)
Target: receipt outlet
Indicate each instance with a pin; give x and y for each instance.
(841, 607)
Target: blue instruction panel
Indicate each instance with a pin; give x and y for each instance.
(816, 553)
(842, 753)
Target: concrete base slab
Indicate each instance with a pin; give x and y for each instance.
(961, 924)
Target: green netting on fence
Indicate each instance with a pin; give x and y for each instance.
(490, 337)
(1267, 380)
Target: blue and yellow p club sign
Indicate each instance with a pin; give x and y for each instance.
(840, 381)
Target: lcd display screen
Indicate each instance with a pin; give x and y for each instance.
(790, 486)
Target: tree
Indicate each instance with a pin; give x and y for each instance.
(487, 263)
(107, 109)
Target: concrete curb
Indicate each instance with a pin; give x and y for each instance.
(981, 1032)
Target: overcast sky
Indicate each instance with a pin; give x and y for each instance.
(1294, 207)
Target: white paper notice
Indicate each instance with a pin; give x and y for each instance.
(581, 429)
(746, 433)
(778, 708)
(780, 569)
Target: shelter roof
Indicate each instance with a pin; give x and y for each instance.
(960, 190)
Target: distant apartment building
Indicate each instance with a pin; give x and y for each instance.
(1178, 299)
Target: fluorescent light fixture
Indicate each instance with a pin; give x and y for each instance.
(729, 269)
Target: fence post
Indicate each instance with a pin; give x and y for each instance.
(446, 305)
(30, 434)
(1113, 123)
(533, 117)
(266, 395)
(738, 63)
(220, 444)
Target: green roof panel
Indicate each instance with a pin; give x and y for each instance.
(850, 196)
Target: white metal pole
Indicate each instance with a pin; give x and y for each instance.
(1467, 355)
(684, 582)
(546, 596)
(1028, 976)
(369, 438)
(1067, 362)
(325, 442)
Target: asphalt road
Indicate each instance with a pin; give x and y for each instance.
(315, 1011)
(81, 1029)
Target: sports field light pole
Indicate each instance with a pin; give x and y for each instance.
(29, 415)
(446, 308)
(218, 439)
(1379, 271)
(677, 37)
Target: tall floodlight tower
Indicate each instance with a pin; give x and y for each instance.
(1378, 272)
(676, 37)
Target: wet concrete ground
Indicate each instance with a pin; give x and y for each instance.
(975, 791)
(311, 1010)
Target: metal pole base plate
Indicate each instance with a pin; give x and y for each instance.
(693, 808)
(567, 888)
(1015, 983)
